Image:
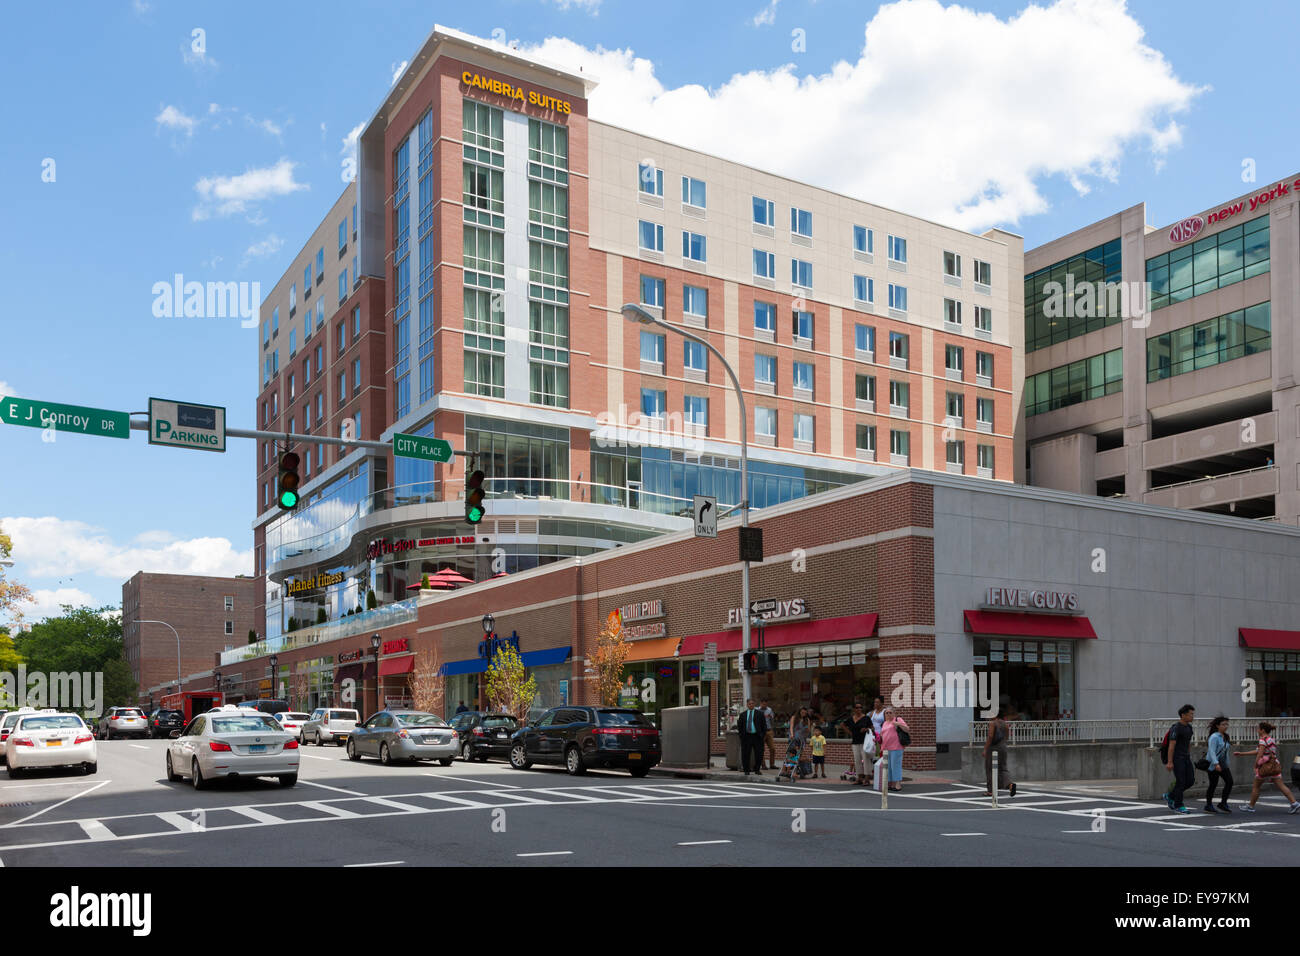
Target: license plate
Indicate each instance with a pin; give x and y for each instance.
(54, 743)
(433, 740)
(633, 756)
(257, 748)
(501, 736)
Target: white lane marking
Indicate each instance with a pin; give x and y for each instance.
(963, 834)
(396, 804)
(702, 842)
(457, 800)
(548, 853)
(574, 795)
(253, 814)
(102, 783)
(1241, 826)
(52, 783)
(139, 746)
(314, 757)
(96, 830)
(325, 786)
(385, 863)
(482, 783)
(329, 808)
(521, 798)
(177, 820)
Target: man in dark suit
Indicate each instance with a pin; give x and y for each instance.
(752, 724)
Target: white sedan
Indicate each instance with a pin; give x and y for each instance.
(292, 721)
(51, 740)
(233, 742)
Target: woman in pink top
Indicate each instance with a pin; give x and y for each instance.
(893, 749)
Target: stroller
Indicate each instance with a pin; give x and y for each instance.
(792, 767)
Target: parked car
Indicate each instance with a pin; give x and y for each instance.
(123, 721)
(233, 742)
(329, 724)
(163, 721)
(47, 739)
(484, 735)
(7, 724)
(292, 721)
(404, 735)
(583, 737)
(266, 705)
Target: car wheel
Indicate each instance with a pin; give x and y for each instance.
(318, 743)
(288, 779)
(172, 775)
(465, 753)
(519, 757)
(89, 768)
(573, 762)
(445, 761)
(14, 772)
(197, 774)
(638, 771)
(352, 751)
(384, 757)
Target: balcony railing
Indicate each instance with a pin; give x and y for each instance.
(399, 612)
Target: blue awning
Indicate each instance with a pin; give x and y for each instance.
(477, 665)
(555, 655)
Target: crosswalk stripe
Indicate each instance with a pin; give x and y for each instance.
(178, 820)
(340, 812)
(396, 804)
(96, 830)
(254, 814)
(457, 800)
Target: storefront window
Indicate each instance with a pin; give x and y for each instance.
(1035, 678)
(552, 683)
(826, 678)
(1277, 683)
(655, 685)
(463, 688)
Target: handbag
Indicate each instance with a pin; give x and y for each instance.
(905, 738)
(1271, 768)
(1204, 763)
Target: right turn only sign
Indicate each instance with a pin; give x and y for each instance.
(706, 516)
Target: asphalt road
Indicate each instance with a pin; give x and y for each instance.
(365, 814)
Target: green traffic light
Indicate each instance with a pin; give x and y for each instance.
(288, 499)
(474, 514)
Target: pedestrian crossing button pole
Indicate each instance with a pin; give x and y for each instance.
(995, 779)
(884, 785)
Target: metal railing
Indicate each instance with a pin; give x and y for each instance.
(399, 612)
(1207, 478)
(1146, 730)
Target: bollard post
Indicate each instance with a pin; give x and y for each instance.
(884, 785)
(995, 779)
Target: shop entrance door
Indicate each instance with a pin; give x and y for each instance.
(694, 696)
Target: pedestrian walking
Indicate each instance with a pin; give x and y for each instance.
(1178, 758)
(878, 715)
(1217, 756)
(753, 727)
(818, 742)
(859, 727)
(894, 736)
(997, 743)
(1268, 769)
(769, 739)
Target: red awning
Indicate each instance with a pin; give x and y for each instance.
(397, 665)
(1263, 639)
(785, 635)
(1010, 624)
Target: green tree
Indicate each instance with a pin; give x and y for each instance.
(81, 640)
(252, 636)
(509, 691)
(371, 601)
(12, 594)
(9, 661)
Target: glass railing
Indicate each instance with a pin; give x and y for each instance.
(399, 612)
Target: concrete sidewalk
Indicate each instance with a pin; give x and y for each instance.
(718, 772)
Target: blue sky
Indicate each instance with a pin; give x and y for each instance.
(141, 128)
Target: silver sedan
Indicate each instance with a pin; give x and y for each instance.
(404, 735)
(232, 742)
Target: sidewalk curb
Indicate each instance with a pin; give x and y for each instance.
(735, 776)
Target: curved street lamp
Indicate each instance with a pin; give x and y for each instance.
(635, 313)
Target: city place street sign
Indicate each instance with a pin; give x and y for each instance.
(187, 425)
(65, 418)
(414, 446)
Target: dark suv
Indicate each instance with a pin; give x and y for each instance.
(583, 737)
(162, 722)
(484, 735)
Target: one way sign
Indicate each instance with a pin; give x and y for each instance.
(706, 516)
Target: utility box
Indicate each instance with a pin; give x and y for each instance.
(685, 737)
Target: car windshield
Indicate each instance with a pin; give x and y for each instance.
(420, 720)
(491, 723)
(296, 716)
(623, 718)
(56, 722)
(343, 715)
(130, 713)
(244, 724)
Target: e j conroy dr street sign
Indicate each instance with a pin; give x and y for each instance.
(65, 418)
(187, 425)
(413, 446)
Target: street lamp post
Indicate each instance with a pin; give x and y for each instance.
(178, 649)
(375, 641)
(634, 313)
(274, 660)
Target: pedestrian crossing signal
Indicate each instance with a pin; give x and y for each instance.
(474, 509)
(286, 488)
(759, 662)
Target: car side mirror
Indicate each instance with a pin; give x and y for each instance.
(174, 734)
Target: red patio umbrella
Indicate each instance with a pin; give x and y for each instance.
(450, 576)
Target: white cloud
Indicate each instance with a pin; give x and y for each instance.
(55, 547)
(398, 69)
(8, 391)
(961, 128)
(198, 59)
(591, 6)
(172, 118)
(227, 195)
(766, 16)
(266, 125)
(349, 150)
(140, 7)
(260, 250)
(49, 603)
